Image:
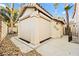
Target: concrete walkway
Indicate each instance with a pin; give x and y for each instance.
(52, 47)
(23, 47)
(59, 47)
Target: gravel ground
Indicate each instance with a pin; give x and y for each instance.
(32, 53)
(8, 48)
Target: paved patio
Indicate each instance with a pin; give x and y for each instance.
(52, 47)
(59, 47)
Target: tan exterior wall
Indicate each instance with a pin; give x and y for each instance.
(34, 29)
(28, 11)
(75, 30)
(44, 29)
(38, 27)
(56, 29)
(3, 31)
(0, 28)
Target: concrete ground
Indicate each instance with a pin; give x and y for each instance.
(52, 47)
(59, 47)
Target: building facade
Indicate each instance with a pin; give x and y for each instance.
(76, 21)
(36, 25)
(3, 29)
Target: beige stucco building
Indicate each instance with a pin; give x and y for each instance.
(75, 22)
(3, 29)
(37, 25)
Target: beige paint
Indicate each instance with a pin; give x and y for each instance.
(56, 29)
(38, 27)
(3, 31)
(34, 29)
(75, 30)
(27, 12)
(44, 29)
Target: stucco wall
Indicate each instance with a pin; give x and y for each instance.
(28, 12)
(44, 28)
(38, 27)
(76, 21)
(34, 29)
(56, 29)
(4, 30)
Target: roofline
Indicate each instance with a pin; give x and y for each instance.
(42, 10)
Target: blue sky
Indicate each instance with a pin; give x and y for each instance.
(50, 8)
(60, 10)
